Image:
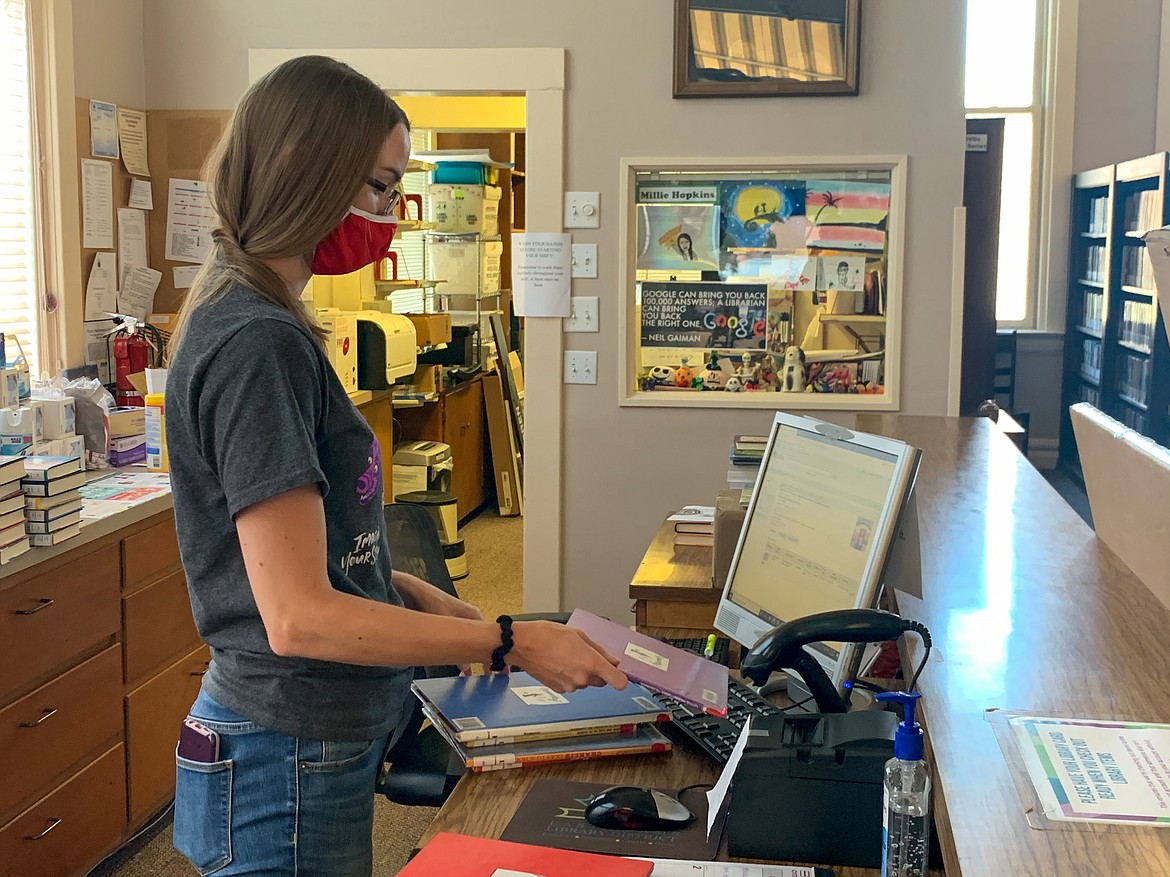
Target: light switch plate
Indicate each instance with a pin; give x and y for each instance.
(582, 314)
(580, 366)
(582, 210)
(584, 260)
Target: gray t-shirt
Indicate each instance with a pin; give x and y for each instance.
(254, 409)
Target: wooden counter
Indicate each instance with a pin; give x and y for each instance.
(99, 662)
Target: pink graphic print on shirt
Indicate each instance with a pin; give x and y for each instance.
(370, 481)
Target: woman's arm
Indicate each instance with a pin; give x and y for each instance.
(422, 596)
(285, 549)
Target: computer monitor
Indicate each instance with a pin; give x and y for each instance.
(818, 533)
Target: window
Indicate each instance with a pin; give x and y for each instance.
(19, 282)
(411, 246)
(1006, 43)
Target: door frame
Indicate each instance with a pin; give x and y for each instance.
(539, 74)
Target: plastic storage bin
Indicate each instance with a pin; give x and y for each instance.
(466, 209)
(469, 265)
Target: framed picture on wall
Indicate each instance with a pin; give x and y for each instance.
(763, 48)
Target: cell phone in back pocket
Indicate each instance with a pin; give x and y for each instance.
(198, 742)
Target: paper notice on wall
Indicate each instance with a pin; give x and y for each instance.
(97, 204)
(103, 129)
(185, 275)
(141, 195)
(132, 137)
(97, 351)
(131, 242)
(136, 297)
(541, 267)
(190, 220)
(101, 291)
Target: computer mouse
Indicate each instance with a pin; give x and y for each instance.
(636, 809)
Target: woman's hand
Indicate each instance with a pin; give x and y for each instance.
(422, 596)
(562, 658)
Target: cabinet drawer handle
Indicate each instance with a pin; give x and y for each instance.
(43, 603)
(53, 823)
(49, 713)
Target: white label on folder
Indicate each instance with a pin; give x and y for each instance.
(538, 695)
(508, 872)
(648, 657)
(647, 704)
(710, 696)
(468, 723)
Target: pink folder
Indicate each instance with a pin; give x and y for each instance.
(683, 675)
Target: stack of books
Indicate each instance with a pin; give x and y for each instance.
(52, 499)
(13, 538)
(507, 720)
(694, 525)
(747, 453)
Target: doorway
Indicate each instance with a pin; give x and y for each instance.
(538, 74)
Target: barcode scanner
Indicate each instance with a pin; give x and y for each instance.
(782, 648)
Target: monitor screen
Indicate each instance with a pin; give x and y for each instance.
(818, 529)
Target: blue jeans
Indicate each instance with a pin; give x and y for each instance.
(274, 805)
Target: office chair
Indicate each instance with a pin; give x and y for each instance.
(422, 768)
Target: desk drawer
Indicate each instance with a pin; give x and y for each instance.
(59, 724)
(71, 828)
(154, 712)
(49, 619)
(159, 626)
(148, 553)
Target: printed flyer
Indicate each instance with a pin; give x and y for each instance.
(704, 316)
(1097, 771)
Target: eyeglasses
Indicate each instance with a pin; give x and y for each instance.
(382, 189)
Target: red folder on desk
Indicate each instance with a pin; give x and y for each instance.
(457, 855)
(660, 667)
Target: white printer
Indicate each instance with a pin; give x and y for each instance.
(421, 465)
(386, 349)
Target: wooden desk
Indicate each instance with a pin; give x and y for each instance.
(1028, 610)
(672, 586)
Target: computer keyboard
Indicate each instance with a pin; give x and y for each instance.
(697, 645)
(717, 736)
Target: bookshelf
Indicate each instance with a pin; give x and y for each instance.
(1116, 353)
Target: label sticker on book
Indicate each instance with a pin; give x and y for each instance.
(647, 704)
(648, 657)
(538, 695)
(468, 723)
(710, 696)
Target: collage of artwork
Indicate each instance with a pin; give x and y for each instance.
(773, 285)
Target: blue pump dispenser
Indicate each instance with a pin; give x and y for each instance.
(908, 738)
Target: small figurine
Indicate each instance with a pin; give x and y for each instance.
(767, 372)
(662, 374)
(712, 378)
(793, 373)
(734, 384)
(647, 384)
(697, 382)
(713, 360)
(683, 376)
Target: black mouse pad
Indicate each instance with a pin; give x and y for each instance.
(552, 814)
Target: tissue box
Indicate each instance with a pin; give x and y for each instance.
(127, 422)
(18, 431)
(9, 388)
(58, 416)
(127, 449)
(72, 446)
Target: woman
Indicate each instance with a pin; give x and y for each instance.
(685, 246)
(278, 501)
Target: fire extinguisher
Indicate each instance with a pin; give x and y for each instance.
(132, 353)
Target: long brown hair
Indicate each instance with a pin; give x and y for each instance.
(297, 150)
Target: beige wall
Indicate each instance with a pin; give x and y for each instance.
(625, 468)
(1118, 49)
(108, 61)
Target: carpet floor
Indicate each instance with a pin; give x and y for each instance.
(494, 584)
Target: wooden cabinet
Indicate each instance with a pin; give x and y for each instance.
(457, 419)
(99, 662)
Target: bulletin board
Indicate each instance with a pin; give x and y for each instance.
(772, 283)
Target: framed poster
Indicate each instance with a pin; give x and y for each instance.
(763, 48)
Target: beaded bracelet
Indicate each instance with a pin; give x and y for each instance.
(505, 622)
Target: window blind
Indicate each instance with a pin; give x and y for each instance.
(18, 268)
(411, 246)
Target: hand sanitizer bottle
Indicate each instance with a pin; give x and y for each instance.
(906, 821)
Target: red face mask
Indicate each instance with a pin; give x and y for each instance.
(360, 239)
